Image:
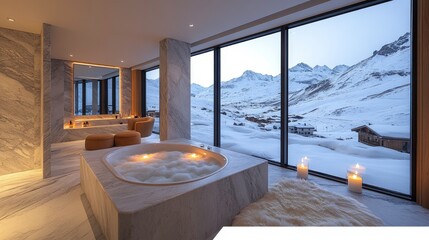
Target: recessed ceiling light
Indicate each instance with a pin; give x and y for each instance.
(10, 19)
(122, 61)
(191, 25)
(71, 55)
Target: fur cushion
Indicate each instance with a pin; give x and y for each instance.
(293, 202)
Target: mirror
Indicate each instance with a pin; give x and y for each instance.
(96, 90)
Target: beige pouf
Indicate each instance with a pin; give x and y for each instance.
(126, 138)
(99, 141)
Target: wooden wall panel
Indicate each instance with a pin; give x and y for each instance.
(422, 164)
(136, 77)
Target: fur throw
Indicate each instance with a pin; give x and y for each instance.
(293, 202)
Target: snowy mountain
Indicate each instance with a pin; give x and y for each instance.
(195, 89)
(302, 75)
(375, 89)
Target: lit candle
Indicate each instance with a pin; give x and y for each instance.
(357, 168)
(355, 182)
(302, 168)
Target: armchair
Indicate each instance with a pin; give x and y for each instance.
(142, 125)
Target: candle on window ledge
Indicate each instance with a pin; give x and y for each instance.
(302, 168)
(354, 182)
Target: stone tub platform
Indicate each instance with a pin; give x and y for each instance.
(193, 210)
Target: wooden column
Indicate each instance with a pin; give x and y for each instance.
(422, 164)
(136, 99)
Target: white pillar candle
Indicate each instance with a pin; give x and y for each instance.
(355, 182)
(302, 170)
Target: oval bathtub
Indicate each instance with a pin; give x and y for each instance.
(163, 163)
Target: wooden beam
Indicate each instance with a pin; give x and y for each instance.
(422, 160)
(136, 76)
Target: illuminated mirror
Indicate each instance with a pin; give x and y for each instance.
(96, 90)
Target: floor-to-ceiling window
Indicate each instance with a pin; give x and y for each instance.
(152, 96)
(109, 96)
(78, 97)
(117, 96)
(202, 105)
(88, 98)
(349, 94)
(250, 96)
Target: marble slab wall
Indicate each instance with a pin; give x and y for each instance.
(175, 89)
(46, 100)
(20, 101)
(126, 91)
(62, 103)
(60, 71)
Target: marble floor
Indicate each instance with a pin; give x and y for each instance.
(56, 208)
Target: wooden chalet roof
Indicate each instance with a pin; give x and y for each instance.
(387, 131)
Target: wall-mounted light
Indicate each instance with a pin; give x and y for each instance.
(122, 61)
(191, 25)
(71, 55)
(10, 19)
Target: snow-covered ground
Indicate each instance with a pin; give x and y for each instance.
(375, 91)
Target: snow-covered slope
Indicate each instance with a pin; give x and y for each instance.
(375, 90)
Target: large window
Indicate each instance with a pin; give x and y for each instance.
(250, 97)
(88, 100)
(202, 111)
(152, 96)
(349, 96)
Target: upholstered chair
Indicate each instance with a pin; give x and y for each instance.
(142, 125)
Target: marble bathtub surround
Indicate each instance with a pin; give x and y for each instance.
(194, 210)
(20, 109)
(175, 89)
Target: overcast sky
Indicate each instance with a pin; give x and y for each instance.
(344, 39)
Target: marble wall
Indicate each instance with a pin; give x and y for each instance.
(126, 91)
(175, 89)
(45, 102)
(62, 105)
(20, 63)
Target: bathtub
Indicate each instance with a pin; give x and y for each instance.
(164, 163)
(192, 210)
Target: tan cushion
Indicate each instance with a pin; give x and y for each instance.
(127, 137)
(99, 141)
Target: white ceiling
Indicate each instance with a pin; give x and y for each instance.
(108, 31)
